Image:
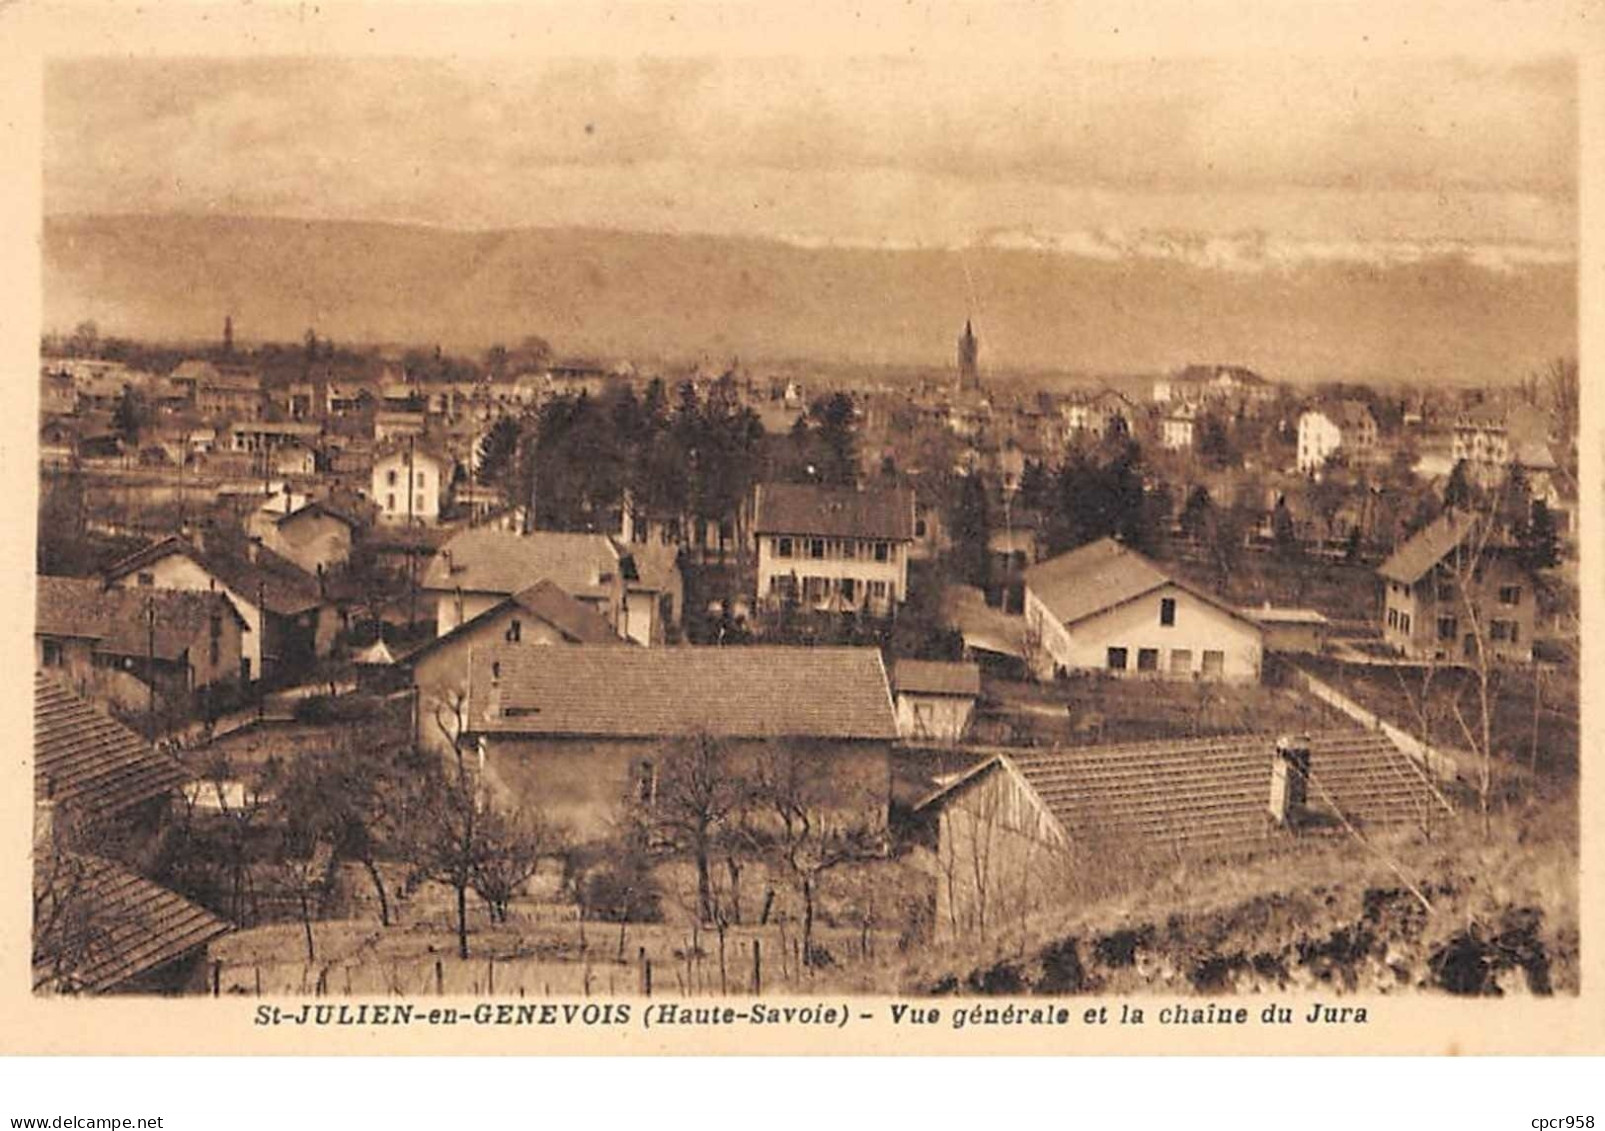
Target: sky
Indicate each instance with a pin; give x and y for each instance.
(1238, 164)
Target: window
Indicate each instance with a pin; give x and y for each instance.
(782, 547)
(420, 503)
(1214, 662)
(1117, 659)
(816, 548)
(882, 551)
(1181, 661)
(1148, 659)
(1503, 630)
(390, 478)
(515, 631)
(421, 480)
(919, 528)
(1167, 611)
(147, 579)
(646, 781)
(849, 589)
(390, 503)
(849, 549)
(52, 653)
(1404, 622)
(877, 590)
(1393, 618)
(1448, 628)
(1510, 594)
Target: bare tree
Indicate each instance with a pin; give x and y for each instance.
(697, 791)
(73, 925)
(817, 823)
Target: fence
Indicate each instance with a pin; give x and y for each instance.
(652, 961)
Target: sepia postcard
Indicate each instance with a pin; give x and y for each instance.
(741, 529)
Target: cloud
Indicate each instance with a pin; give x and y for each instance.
(910, 152)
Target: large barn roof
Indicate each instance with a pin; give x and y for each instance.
(735, 692)
(1200, 793)
(1427, 547)
(85, 758)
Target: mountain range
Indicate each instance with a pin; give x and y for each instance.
(1439, 314)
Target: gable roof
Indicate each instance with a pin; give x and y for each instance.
(122, 926)
(1102, 575)
(578, 622)
(488, 560)
(1427, 547)
(116, 618)
(312, 508)
(932, 677)
(286, 589)
(1199, 793)
(834, 512)
(84, 757)
(1092, 578)
(735, 692)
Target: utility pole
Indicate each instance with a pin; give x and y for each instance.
(412, 549)
(261, 667)
(150, 666)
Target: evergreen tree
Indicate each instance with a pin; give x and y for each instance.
(1458, 493)
(1540, 549)
(971, 529)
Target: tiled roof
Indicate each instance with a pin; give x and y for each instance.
(487, 560)
(735, 692)
(834, 512)
(116, 618)
(285, 588)
(1205, 793)
(577, 621)
(931, 677)
(1092, 578)
(85, 758)
(1427, 547)
(120, 926)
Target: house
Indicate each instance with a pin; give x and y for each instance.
(1451, 583)
(1105, 608)
(541, 615)
(1008, 835)
(1347, 426)
(636, 589)
(1097, 415)
(115, 645)
(581, 735)
(833, 548)
(288, 623)
(1288, 629)
(410, 482)
(99, 926)
(389, 426)
(935, 700)
(1177, 428)
(231, 394)
(313, 535)
(271, 435)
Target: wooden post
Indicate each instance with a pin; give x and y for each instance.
(490, 976)
(258, 981)
(217, 977)
(757, 966)
(440, 978)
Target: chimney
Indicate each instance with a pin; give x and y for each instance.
(1290, 772)
(253, 549)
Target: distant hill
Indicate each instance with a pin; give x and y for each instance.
(643, 295)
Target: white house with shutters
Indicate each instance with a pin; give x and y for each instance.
(410, 483)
